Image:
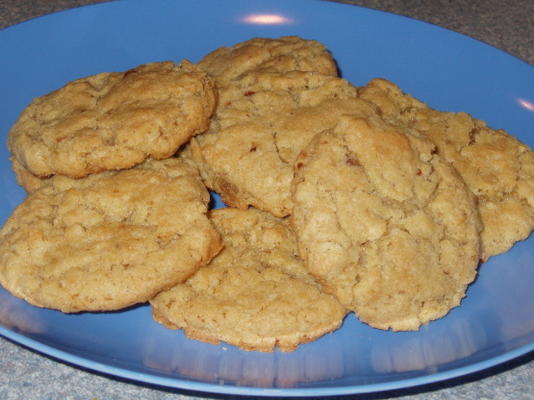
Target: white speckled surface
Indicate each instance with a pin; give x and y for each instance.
(505, 24)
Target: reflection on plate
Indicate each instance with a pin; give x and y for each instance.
(448, 71)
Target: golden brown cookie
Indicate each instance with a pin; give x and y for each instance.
(284, 54)
(498, 168)
(109, 240)
(387, 225)
(262, 122)
(256, 294)
(114, 120)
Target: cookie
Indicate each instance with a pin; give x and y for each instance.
(109, 240)
(384, 223)
(111, 121)
(498, 168)
(284, 54)
(262, 122)
(255, 294)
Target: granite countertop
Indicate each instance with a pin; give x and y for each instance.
(505, 24)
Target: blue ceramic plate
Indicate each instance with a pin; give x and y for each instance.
(494, 323)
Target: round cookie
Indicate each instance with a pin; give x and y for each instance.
(109, 240)
(284, 54)
(113, 120)
(262, 122)
(498, 168)
(385, 223)
(255, 294)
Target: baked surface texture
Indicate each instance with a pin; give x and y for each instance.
(497, 167)
(255, 294)
(384, 223)
(109, 240)
(284, 54)
(25, 178)
(262, 122)
(113, 120)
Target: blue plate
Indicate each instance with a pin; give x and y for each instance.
(494, 323)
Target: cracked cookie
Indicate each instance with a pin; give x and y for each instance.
(384, 223)
(262, 122)
(255, 294)
(109, 240)
(113, 120)
(284, 54)
(498, 168)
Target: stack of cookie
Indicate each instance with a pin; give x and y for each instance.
(340, 199)
(111, 219)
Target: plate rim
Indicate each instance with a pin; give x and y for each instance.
(208, 387)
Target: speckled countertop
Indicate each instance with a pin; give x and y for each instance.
(505, 24)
